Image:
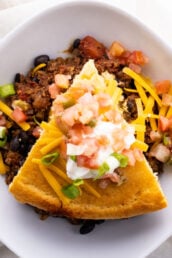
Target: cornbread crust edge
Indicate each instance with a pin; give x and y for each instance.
(140, 194)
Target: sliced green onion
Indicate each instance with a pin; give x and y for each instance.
(7, 90)
(92, 123)
(3, 136)
(73, 157)
(123, 160)
(68, 103)
(71, 191)
(20, 104)
(166, 139)
(78, 182)
(36, 121)
(3, 142)
(103, 169)
(2, 132)
(49, 158)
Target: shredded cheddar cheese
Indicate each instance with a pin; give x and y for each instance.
(60, 173)
(163, 110)
(111, 87)
(140, 145)
(131, 90)
(53, 183)
(3, 167)
(51, 146)
(8, 111)
(153, 124)
(50, 128)
(169, 112)
(90, 189)
(116, 97)
(139, 106)
(38, 67)
(63, 175)
(139, 127)
(141, 92)
(142, 83)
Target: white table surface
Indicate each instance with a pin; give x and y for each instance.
(157, 14)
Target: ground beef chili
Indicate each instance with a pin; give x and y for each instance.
(32, 88)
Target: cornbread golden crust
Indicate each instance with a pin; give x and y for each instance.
(139, 194)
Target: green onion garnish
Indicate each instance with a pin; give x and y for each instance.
(78, 182)
(68, 103)
(103, 169)
(3, 136)
(36, 121)
(73, 157)
(92, 123)
(49, 158)
(7, 90)
(3, 142)
(123, 160)
(71, 191)
(166, 139)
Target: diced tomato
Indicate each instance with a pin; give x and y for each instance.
(138, 154)
(91, 48)
(103, 140)
(36, 132)
(166, 99)
(53, 90)
(18, 115)
(75, 134)
(116, 49)
(91, 144)
(136, 68)
(131, 157)
(163, 124)
(113, 116)
(104, 100)
(76, 92)
(62, 80)
(70, 115)
(137, 57)
(114, 177)
(89, 162)
(160, 152)
(154, 135)
(162, 86)
(3, 120)
(170, 122)
(63, 149)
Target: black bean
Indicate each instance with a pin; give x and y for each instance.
(23, 137)
(17, 77)
(35, 79)
(41, 59)
(87, 227)
(76, 43)
(15, 144)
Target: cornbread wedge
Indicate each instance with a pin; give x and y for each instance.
(139, 194)
(41, 184)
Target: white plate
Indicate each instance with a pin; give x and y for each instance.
(51, 32)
